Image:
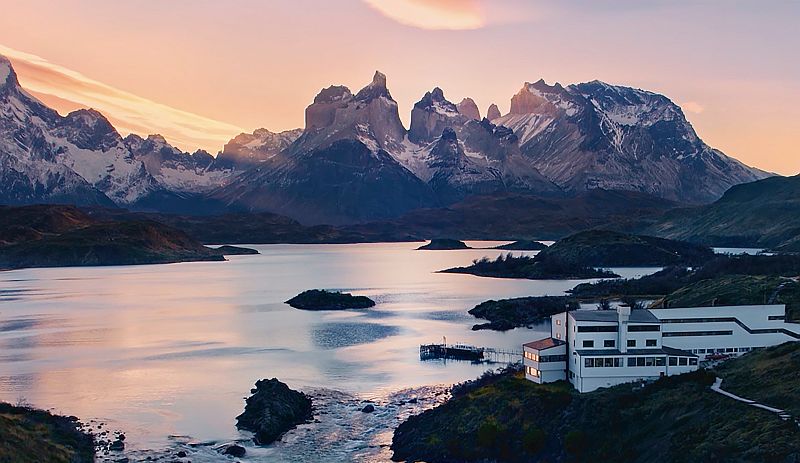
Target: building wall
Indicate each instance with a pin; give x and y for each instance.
(714, 334)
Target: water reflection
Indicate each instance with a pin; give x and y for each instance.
(172, 349)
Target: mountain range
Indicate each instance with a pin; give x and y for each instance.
(354, 161)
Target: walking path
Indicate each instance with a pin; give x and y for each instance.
(717, 387)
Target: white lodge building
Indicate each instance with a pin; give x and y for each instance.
(602, 348)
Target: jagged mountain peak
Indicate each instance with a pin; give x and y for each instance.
(468, 108)
(375, 89)
(333, 94)
(8, 77)
(436, 101)
(493, 112)
(431, 114)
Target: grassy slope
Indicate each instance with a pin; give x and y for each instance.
(765, 213)
(770, 376)
(738, 290)
(36, 436)
(676, 419)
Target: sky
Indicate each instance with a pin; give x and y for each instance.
(201, 71)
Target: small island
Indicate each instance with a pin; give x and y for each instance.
(443, 244)
(229, 250)
(507, 314)
(321, 299)
(603, 248)
(522, 245)
(531, 268)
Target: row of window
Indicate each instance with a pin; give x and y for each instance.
(613, 343)
(615, 362)
(533, 372)
(724, 350)
(545, 358)
(698, 333)
(613, 328)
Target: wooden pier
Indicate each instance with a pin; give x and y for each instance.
(466, 352)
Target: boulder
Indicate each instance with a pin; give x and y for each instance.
(272, 410)
(234, 450)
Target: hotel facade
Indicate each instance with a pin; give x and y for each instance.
(602, 348)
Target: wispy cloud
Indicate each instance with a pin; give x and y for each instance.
(693, 107)
(66, 89)
(433, 14)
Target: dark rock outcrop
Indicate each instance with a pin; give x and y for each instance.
(272, 410)
(228, 250)
(443, 244)
(523, 245)
(320, 299)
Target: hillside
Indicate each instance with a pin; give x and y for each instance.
(35, 436)
(602, 248)
(765, 214)
(60, 236)
(513, 216)
(737, 290)
(675, 419)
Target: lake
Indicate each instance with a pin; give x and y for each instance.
(166, 353)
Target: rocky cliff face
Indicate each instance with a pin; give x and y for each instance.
(340, 169)
(249, 149)
(468, 108)
(459, 156)
(596, 135)
(371, 116)
(493, 112)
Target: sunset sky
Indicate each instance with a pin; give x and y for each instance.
(200, 71)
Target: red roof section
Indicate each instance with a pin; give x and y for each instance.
(544, 344)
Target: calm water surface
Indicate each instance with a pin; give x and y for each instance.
(171, 350)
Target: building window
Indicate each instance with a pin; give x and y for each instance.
(651, 343)
(661, 361)
(699, 333)
(673, 361)
(558, 322)
(631, 361)
(683, 361)
(533, 372)
(608, 343)
(639, 361)
(776, 317)
(692, 361)
(588, 343)
(631, 343)
(644, 328)
(598, 329)
(588, 363)
(608, 362)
